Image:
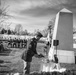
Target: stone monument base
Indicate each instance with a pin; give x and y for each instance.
(66, 56)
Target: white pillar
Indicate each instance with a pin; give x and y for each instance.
(63, 31)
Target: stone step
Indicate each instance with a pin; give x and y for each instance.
(4, 54)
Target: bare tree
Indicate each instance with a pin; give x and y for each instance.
(3, 13)
(49, 28)
(18, 29)
(51, 25)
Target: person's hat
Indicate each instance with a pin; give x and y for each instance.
(39, 34)
(55, 55)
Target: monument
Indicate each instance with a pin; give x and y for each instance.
(63, 31)
(62, 41)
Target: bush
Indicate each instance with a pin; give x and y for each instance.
(68, 72)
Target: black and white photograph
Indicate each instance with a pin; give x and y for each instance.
(37, 37)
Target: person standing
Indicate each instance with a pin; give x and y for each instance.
(1, 47)
(56, 61)
(30, 52)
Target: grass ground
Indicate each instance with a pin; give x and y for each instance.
(14, 61)
(15, 64)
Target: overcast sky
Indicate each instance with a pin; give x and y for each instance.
(36, 14)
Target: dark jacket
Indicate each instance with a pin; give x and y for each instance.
(30, 51)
